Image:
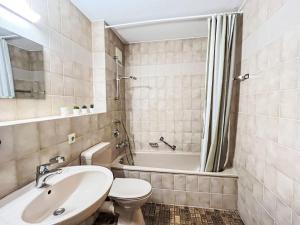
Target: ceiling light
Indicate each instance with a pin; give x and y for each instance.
(20, 8)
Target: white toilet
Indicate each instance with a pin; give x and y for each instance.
(129, 194)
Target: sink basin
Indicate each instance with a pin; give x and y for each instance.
(72, 196)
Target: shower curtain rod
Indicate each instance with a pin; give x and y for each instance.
(167, 20)
(8, 36)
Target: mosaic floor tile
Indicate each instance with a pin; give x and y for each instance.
(158, 214)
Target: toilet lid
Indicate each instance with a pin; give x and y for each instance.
(129, 188)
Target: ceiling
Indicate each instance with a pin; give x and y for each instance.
(126, 11)
(19, 41)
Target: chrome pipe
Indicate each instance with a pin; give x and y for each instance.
(117, 97)
(118, 78)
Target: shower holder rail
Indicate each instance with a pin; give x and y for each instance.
(173, 147)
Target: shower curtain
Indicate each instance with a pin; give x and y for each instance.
(6, 76)
(219, 80)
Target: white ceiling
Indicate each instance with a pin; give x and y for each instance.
(20, 42)
(127, 11)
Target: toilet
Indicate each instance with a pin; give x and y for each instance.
(128, 194)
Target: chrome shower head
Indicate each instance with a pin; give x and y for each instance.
(130, 77)
(133, 77)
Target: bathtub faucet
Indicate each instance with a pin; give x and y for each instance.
(122, 144)
(173, 147)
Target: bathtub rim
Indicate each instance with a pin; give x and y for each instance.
(118, 166)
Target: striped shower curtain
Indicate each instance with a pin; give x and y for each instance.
(219, 81)
(6, 76)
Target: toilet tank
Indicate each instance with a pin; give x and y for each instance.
(99, 154)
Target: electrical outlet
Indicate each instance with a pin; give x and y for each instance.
(72, 138)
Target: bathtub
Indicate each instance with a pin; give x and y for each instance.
(176, 179)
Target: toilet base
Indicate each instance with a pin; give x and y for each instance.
(130, 216)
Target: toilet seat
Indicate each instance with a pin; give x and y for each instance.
(129, 189)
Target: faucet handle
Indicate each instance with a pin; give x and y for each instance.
(57, 159)
(42, 169)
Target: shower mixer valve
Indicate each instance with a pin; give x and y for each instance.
(116, 133)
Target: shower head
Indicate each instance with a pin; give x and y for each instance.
(133, 77)
(130, 77)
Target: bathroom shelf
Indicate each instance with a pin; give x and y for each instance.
(41, 119)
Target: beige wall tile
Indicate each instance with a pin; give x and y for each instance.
(145, 176)
(168, 197)
(296, 198)
(26, 168)
(198, 199)
(26, 139)
(283, 214)
(180, 182)
(192, 183)
(156, 180)
(284, 188)
(6, 147)
(168, 181)
(216, 185)
(216, 201)
(8, 177)
(229, 201)
(203, 184)
(47, 134)
(180, 197)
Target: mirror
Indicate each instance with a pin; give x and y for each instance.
(21, 67)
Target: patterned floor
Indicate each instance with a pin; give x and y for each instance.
(158, 214)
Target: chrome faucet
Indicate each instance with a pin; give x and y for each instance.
(122, 145)
(43, 172)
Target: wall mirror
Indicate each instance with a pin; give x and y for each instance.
(21, 67)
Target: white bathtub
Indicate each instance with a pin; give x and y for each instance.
(162, 161)
(175, 179)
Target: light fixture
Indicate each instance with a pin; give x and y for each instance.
(20, 8)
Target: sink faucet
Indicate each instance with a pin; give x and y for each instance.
(43, 172)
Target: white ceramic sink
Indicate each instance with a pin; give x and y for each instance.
(79, 190)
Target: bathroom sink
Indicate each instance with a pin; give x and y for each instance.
(72, 196)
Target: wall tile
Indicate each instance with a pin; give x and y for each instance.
(26, 168)
(8, 177)
(296, 198)
(192, 183)
(284, 188)
(166, 69)
(216, 201)
(156, 180)
(168, 197)
(47, 133)
(168, 181)
(6, 146)
(198, 199)
(216, 185)
(180, 197)
(179, 182)
(229, 201)
(203, 184)
(283, 214)
(26, 139)
(145, 176)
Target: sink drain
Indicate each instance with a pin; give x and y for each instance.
(59, 211)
